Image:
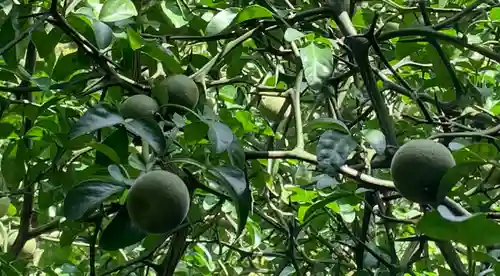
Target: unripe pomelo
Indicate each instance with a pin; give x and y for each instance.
(177, 89)
(158, 202)
(139, 106)
(270, 107)
(28, 248)
(417, 169)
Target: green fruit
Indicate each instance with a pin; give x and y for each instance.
(417, 169)
(179, 90)
(270, 107)
(139, 106)
(158, 202)
(4, 206)
(28, 248)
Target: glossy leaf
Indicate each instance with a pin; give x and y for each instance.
(134, 39)
(376, 139)
(221, 21)
(326, 123)
(174, 13)
(148, 130)
(292, 34)
(470, 231)
(66, 65)
(252, 12)
(120, 232)
(116, 10)
(322, 203)
(234, 181)
(165, 56)
(87, 196)
(98, 116)
(13, 163)
(103, 34)
(220, 135)
(317, 61)
(236, 155)
(118, 141)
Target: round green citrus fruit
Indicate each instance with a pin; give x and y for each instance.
(139, 106)
(29, 246)
(158, 202)
(270, 107)
(417, 169)
(177, 89)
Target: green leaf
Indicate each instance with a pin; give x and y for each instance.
(455, 174)
(7, 34)
(103, 34)
(195, 131)
(174, 13)
(165, 56)
(252, 12)
(118, 141)
(5, 130)
(470, 231)
(96, 117)
(326, 123)
(107, 151)
(8, 268)
(221, 21)
(4, 206)
(116, 10)
(148, 130)
(228, 93)
(495, 14)
(134, 39)
(376, 139)
(46, 42)
(116, 173)
(322, 203)
(443, 3)
(120, 232)
(246, 119)
(317, 61)
(68, 64)
(236, 155)
(13, 168)
(292, 34)
(234, 181)
(220, 135)
(233, 16)
(87, 196)
(70, 230)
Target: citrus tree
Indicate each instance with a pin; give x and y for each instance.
(197, 137)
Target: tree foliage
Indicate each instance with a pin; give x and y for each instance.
(305, 190)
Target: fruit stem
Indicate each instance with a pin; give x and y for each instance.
(145, 150)
(297, 112)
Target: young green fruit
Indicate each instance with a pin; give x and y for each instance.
(270, 107)
(158, 202)
(29, 246)
(177, 89)
(417, 169)
(139, 106)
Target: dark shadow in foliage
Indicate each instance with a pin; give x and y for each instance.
(118, 141)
